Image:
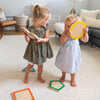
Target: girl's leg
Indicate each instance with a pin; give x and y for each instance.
(29, 67)
(73, 83)
(40, 68)
(62, 79)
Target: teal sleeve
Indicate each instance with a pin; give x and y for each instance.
(46, 27)
(29, 28)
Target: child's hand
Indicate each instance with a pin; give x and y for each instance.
(38, 40)
(68, 33)
(27, 38)
(86, 30)
(85, 38)
(24, 32)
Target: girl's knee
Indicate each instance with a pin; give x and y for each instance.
(30, 66)
(40, 65)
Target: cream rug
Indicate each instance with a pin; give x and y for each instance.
(12, 48)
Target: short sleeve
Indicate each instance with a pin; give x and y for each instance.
(31, 29)
(46, 27)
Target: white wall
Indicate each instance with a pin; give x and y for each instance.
(94, 4)
(57, 7)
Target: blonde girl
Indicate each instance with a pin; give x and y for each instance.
(68, 59)
(38, 51)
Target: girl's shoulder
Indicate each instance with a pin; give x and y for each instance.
(45, 27)
(31, 27)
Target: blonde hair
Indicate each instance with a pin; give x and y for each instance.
(72, 17)
(40, 13)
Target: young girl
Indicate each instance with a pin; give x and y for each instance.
(39, 50)
(68, 58)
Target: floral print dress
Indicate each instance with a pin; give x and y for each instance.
(38, 53)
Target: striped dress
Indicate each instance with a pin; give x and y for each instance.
(68, 58)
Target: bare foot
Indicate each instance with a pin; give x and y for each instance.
(26, 80)
(73, 84)
(41, 80)
(62, 79)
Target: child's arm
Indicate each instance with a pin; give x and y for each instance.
(27, 38)
(85, 37)
(45, 39)
(64, 36)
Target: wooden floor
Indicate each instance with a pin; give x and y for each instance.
(18, 33)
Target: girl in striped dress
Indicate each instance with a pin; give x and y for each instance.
(68, 59)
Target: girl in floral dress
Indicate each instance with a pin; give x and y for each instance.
(38, 51)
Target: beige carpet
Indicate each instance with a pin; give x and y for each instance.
(12, 48)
